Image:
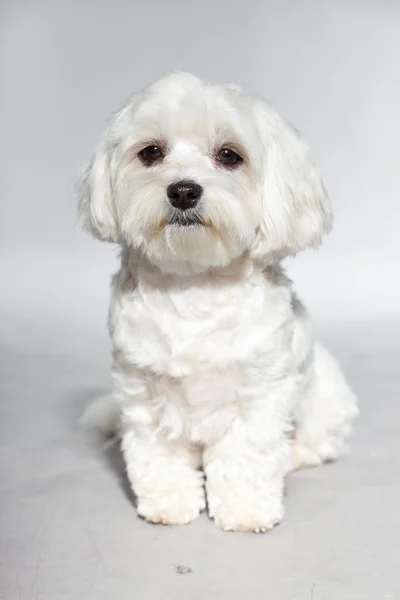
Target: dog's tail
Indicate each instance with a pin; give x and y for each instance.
(102, 415)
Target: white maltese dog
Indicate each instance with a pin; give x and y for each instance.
(219, 385)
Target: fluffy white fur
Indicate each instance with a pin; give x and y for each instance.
(219, 383)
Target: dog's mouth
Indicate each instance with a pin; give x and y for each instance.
(186, 220)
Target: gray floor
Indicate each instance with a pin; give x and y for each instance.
(69, 530)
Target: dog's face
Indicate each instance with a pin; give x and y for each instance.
(193, 174)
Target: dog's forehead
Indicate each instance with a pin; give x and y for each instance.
(200, 111)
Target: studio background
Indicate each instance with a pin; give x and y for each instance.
(330, 68)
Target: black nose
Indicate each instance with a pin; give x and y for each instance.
(184, 194)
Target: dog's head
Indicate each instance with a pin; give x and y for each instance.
(190, 173)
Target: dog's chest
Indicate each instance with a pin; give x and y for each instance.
(187, 332)
(200, 356)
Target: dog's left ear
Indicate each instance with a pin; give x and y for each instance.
(296, 208)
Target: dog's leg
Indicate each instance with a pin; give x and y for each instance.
(245, 474)
(324, 415)
(164, 476)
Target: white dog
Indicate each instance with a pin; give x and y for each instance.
(217, 377)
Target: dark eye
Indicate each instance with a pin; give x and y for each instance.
(229, 158)
(151, 155)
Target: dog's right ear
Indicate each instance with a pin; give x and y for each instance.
(94, 189)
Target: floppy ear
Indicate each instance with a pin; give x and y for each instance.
(296, 208)
(96, 207)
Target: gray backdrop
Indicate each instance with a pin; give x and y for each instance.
(68, 530)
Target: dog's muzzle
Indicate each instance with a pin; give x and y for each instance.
(184, 196)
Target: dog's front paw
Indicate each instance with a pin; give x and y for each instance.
(260, 519)
(172, 507)
(246, 509)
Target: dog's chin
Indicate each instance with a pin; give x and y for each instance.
(190, 245)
